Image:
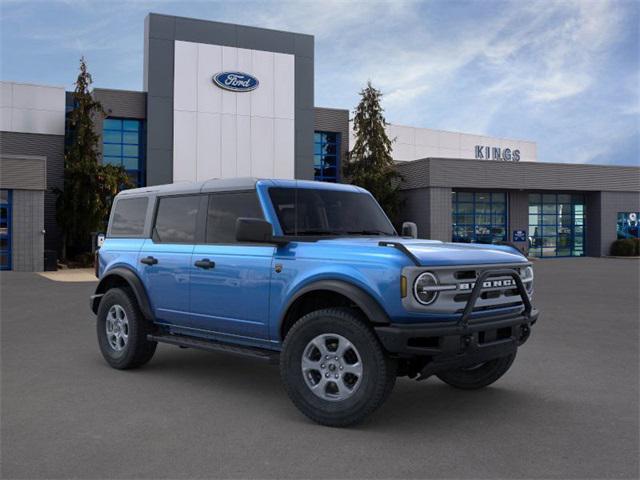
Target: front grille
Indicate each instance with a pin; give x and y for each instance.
(499, 292)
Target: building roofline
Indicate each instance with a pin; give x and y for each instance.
(462, 133)
(480, 161)
(30, 84)
(331, 108)
(227, 23)
(116, 90)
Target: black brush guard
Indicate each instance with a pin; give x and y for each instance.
(463, 343)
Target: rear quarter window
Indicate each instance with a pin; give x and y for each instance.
(128, 217)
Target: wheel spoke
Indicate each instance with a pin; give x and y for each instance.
(348, 387)
(354, 369)
(321, 345)
(321, 385)
(343, 347)
(338, 391)
(308, 364)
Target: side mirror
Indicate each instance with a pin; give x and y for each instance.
(255, 230)
(409, 229)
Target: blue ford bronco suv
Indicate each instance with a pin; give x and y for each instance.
(313, 276)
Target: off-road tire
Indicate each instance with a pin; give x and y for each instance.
(379, 370)
(480, 377)
(138, 350)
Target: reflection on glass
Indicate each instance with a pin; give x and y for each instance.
(327, 156)
(628, 225)
(479, 217)
(122, 146)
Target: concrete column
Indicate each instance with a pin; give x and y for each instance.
(430, 209)
(440, 207)
(518, 205)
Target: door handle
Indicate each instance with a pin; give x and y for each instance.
(149, 260)
(205, 263)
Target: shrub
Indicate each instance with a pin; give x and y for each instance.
(628, 247)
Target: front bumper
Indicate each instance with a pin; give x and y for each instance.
(496, 334)
(466, 342)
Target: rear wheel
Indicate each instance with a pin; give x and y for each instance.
(334, 368)
(478, 376)
(122, 331)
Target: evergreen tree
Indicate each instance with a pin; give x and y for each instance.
(369, 163)
(83, 204)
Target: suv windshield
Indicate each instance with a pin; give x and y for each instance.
(306, 211)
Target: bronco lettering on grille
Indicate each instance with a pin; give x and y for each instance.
(488, 284)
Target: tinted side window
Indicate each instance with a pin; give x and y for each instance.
(224, 210)
(176, 219)
(128, 217)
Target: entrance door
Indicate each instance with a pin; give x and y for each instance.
(230, 281)
(5, 229)
(556, 224)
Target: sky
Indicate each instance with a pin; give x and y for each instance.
(565, 74)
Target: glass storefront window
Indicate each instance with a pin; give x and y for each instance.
(627, 225)
(123, 145)
(556, 225)
(326, 156)
(5, 229)
(479, 217)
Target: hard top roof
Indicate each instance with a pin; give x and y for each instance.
(231, 184)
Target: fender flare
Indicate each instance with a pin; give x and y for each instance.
(363, 300)
(132, 280)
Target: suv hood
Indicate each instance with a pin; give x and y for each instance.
(436, 253)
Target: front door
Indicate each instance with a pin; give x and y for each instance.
(164, 260)
(230, 281)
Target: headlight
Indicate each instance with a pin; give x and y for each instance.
(527, 279)
(425, 288)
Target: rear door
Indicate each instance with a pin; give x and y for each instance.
(165, 258)
(229, 280)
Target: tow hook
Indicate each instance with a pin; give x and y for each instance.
(525, 331)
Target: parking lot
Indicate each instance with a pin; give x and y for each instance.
(567, 409)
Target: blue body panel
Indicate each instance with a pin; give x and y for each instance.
(243, 299)
(168, 282)
(232, 298)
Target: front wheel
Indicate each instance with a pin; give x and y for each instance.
(478, 376)
(334, 369)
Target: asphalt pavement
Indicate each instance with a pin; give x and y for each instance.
(568, 408)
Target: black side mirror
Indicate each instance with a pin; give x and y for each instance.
(255, 230)
(409, 229)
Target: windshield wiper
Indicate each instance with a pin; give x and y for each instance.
(319, 232)
(370, 232)
(343, 232)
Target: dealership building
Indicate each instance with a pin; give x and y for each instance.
(222, 100)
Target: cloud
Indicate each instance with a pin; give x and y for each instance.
(562, 73)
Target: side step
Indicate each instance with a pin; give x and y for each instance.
(215, 346)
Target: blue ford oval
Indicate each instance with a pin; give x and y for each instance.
(236, 81)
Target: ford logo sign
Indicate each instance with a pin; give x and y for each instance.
(236, 81)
